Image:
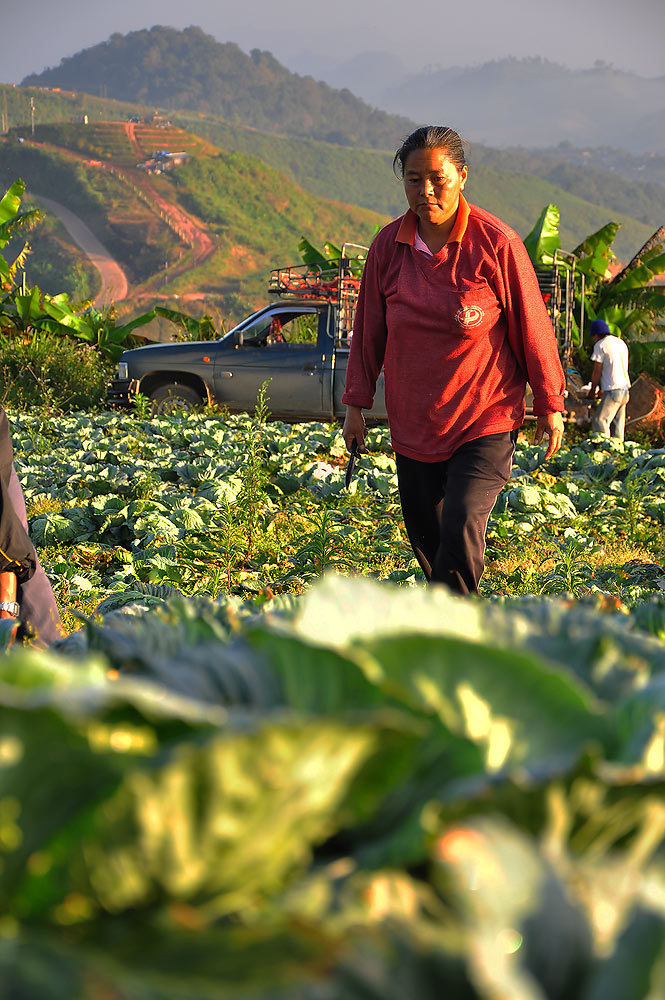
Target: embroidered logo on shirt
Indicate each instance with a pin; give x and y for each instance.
(470, 316)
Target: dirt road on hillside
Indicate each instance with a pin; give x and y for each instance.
(190, 229)
(114, 282)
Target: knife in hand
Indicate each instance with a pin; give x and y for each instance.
(351, 463)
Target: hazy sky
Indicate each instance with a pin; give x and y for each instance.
(626, 33)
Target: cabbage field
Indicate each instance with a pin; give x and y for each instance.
(267, 763)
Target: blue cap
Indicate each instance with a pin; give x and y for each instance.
(599, 328)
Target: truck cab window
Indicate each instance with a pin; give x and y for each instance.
(283, 328)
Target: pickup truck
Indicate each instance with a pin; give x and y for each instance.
(300, 341)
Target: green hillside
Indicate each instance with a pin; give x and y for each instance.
(190, 69)
(519, 199)
(251, 216)
(636, 197)
(514, 184)
(129, 228)
(360, 176)
(365, 177)
(252, 194)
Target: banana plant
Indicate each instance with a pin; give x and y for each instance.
(544, 240)
(630, 300)
(32, 312)
(11, 222)
(329, 257)
(194, 329)
(629, 303)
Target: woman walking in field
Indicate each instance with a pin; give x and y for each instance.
(450, 307)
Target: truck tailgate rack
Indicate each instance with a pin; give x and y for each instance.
(558, 284)
(308, 280)
(336, 281)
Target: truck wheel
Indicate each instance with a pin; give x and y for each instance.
(172, 396)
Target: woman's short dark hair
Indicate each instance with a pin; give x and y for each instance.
(431, 137)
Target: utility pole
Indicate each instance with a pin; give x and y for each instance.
(32, 115)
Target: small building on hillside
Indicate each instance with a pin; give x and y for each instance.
(161, 161)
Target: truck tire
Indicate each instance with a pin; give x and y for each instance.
(174, 396)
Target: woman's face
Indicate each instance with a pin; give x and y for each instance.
(433, 183)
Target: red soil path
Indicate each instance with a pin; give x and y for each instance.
(188, 228)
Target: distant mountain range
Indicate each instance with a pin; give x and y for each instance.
(509, 102)
(189, 69)
(534, 103)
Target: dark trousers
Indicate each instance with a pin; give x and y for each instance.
(446, 506)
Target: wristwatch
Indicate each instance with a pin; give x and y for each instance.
(10, 606)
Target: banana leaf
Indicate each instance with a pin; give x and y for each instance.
(188, 323)
(59, 309)
(649, 299)
(29, 307)
(127, 328)
(330, 256)
(311, 255)
(198, 329)
(642, 274)
(19, 261)
(10, 218)
(331, 251)
(595, 251)
(11, 201)
(544, 239)
(24, 220)
(601, 240)
(655, 251)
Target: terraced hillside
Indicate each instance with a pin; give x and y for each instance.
(514, 186)
(202, 236)
(121, 142)
(208, 232)
(505, 185)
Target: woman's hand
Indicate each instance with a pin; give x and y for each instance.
(550, 424)
(354, 427)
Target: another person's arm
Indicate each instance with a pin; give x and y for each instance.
(17, 555)
(8, 591)
(595, 378)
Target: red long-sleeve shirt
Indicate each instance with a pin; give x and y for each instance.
(458, 334)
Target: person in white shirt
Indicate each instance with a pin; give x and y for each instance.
(610, 377)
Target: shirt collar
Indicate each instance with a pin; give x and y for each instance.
(409, 224)
(419, 244)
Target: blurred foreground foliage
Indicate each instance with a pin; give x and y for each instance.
(363, 792)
